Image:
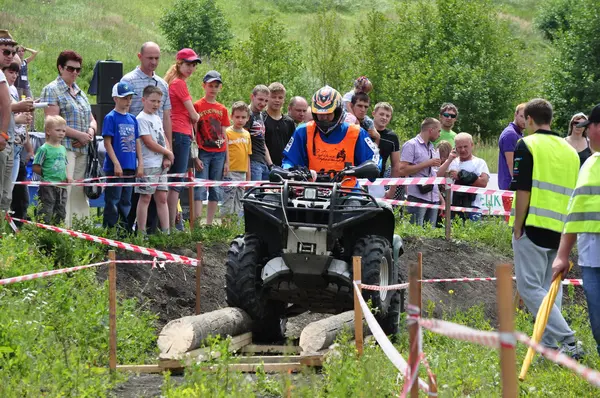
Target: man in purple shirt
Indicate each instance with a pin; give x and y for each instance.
(420, 159)
(507, 144)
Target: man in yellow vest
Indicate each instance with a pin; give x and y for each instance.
(545, 173)
(583, 224)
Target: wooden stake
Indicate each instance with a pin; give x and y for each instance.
(358, 315)
(433, 392)
(191, 199)
(448, 212)
(508, 370)
(415, 274)
(198, 273)
(112, 311)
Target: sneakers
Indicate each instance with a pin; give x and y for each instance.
(573, 350)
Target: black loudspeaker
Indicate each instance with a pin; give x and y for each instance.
(109, 73)
(99, 111)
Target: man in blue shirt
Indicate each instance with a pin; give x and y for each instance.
(327, 143)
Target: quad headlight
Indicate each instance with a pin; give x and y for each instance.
(310, 193)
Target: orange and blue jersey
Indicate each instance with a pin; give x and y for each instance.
(303, 151)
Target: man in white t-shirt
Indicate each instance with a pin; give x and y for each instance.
(466, 169)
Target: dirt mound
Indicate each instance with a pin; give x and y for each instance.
(170, 291)
(443, 259)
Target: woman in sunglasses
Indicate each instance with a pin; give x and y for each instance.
(577, 138)
(66, 99)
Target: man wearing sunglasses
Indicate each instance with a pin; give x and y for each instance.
(448, 115)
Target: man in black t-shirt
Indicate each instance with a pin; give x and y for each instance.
(279, 128)
(260, 161)
(389, 147)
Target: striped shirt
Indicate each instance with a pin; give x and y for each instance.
(75, 110)
(138, 80)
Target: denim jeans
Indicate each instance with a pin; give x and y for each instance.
(213, 170)
(421, 215)
(117, 202)
(591, 287)
(181, 152)
(17, 162)
(259, 171)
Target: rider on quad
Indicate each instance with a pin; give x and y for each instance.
(327, 143)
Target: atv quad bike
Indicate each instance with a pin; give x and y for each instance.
(296, 253)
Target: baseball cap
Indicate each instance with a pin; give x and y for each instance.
(212, 76)
(122, 90)
(593, 118)
(188, 55)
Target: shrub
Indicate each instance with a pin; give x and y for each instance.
(444, 51)
(197, 24)
(573, 82)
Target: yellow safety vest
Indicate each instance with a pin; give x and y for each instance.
(584, 207)
(555, 169)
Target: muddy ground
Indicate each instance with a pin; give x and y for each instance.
(170, 291)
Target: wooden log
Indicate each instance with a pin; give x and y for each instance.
(188, 333)
(140, 368)
(319, 335)
(172, 361)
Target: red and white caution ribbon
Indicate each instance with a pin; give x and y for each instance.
(453, 208)
(115, 243)
(413, 315)
(399, 286)
(591, 375)
(101, 178)
(405, 181)
(386, 345)
(461, 332)
(11, 223)
(575, 282)
(482, 191)
(46, 274)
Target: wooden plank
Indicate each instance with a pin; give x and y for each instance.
(284, 367)
(271, 349)
(140, 368)
(267, 359)
(312, 360)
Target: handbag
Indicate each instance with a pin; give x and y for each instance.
(194, 145)
(429, 187)
(92, 170)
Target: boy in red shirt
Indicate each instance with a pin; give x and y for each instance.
(211, 135)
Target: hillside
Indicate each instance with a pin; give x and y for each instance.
(104, 29)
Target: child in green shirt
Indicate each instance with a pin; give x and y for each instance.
(50, 163)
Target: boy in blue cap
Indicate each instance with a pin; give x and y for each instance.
(123, 149)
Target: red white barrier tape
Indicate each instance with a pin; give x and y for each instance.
(460, 332)
(588, 374)
(11, 223)
(209, 183)
(386, 345)
(46, 274)
(482, 191)
(115, 243)
(453, 208)
(575, 282)
(173, 175)
(405, 181)
(400, 286)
